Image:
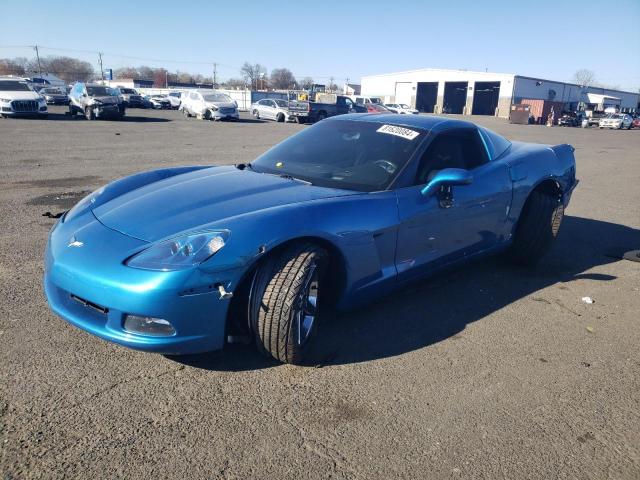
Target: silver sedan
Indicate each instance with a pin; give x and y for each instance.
(271, 109)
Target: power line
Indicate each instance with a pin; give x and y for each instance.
(147, 59)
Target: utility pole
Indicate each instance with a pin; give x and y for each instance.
(35, 47)
(346, 88)
(215, 75)
(101, 69)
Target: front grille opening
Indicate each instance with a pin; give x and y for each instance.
(89, 304)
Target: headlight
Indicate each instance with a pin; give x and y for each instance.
(5, 100)
(181, 252)
(96, 102)
(213, 108)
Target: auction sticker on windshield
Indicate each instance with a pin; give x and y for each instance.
(405, 133)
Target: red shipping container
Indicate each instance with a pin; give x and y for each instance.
(540, 109)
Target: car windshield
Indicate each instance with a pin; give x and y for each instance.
(217, 97)
(99, 91)
(51, 90)
(404, 105)
(14, 86)
(175, 94)
(128, 91)
(281, 103)
(352, 155)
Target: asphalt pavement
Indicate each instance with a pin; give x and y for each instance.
(488, 371)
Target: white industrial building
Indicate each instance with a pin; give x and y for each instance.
(484, 93)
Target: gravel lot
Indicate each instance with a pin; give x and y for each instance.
(488, 372)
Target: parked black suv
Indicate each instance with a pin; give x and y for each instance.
(95, 101)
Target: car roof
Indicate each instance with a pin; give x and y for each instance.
(424, 122)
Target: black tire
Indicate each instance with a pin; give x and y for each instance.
(89, 114)
(256, 114)
(321, 116)
(280, 118)
(185, 113)
(281, 302)
(537, 228)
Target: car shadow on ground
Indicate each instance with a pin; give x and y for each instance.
(441, 307)
(127, 118)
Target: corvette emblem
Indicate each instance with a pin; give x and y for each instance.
(75, 243)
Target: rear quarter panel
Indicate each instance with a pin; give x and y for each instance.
(531, 164)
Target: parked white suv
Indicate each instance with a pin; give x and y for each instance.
(209, 105)
(17, 99)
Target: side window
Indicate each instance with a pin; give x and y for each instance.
(461, 148)
(261, 102)
(271, 103)
(359, 100)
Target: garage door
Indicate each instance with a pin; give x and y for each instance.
(404, 92)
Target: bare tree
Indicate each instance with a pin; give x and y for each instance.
(127, 72)
(584, 77)
(149, 73)
(307, 82)
(234, 83)
(253, 73)
(160, 77)
(12, 66)
(282, 78)
(332, 87)
(67, 68)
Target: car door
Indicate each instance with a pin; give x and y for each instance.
(270, 109)
(458, 221)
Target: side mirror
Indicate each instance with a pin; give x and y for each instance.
(447, 177)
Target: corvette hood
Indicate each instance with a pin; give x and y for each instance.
(191, 200)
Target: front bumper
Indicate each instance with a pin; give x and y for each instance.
(106, 111)
(224, 115)
(91, 288)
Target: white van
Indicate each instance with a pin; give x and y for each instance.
(360, 100)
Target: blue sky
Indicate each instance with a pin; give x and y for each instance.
(548, 39)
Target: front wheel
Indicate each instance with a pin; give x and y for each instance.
(537, 228)
(286, 301)
(256, 114)
(89, 113)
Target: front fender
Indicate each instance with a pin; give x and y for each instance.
(361, 228)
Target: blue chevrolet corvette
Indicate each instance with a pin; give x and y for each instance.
(182, 260)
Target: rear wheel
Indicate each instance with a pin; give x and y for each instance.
(256, 114)
(280, 117)
(185, 112)
(286, 300)
(537, 228)
(321, 116)
(89, 113)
